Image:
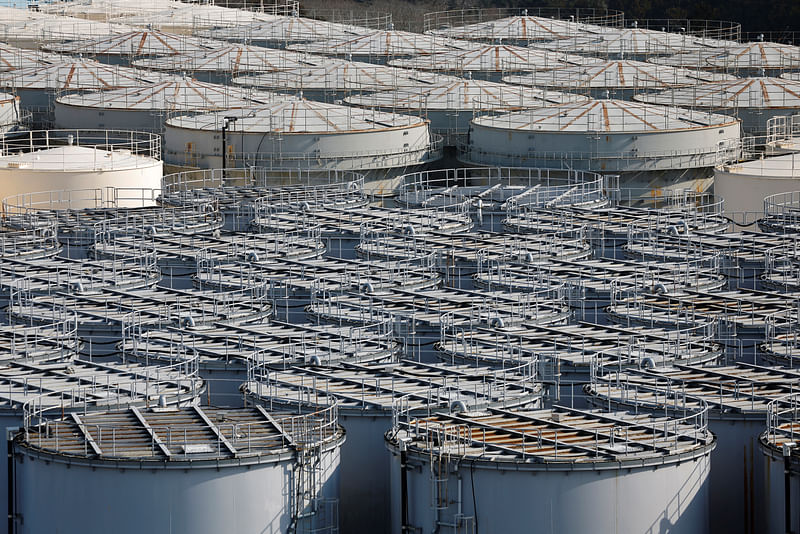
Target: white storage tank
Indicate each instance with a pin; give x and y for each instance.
(60, 160)
(451, 103)
(37, 87)
(299, 133)
(366, 395)
(556, 470)
(744, 185)
(620, 79)
(738, 396)
(197, 470)
(753, 100)
(335, 79)
(146, 108)
(13, 58)
(656, 147)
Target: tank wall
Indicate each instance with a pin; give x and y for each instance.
(6, 421)
(668, 498)
(746, 192)
(19, 181)
(775, 496)
(626, 151)
(181, 144)
(736, 494)
(89, 118)
(239, 499)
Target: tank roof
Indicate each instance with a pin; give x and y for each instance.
(78, 74)
(298, 115)
(632, 41)
(784, 166)
(464, 94)
(560, 437)
(493, 58)
(621, 74)
(194, 16)
(384, 43)
(52, 341)
(518, 28)
(611, 116)
(78, 385)
(378, 387)
(758, 93)
(738, 388)
(183, 435)
(232, 58)
(341, 75)
(288, 29)
(75, 159)
(697, 59)
(53, 29)
(13, 58)
(136, 43)
(265, 344)
(758, 55)
(181, 94)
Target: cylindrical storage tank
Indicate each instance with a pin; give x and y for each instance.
(450, 104)
(744, 185)
(146, 108)
(198, 470)
(510, 470)
(335, 79)
(57, 161)
(37, 87)
(221, 63)
(738, 396)
(620, 79)
(299, 133)
(366, 396)
(753, 100)
(656, 147)
(76, 386)
(13, 58)
(780, 455)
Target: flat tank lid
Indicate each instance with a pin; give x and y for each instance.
(785, 166)
(623, 74)
(298, 115)
(638, 41)
(74, 159)
(184, 435)
(736, 388)
(462, 94)
(136, 43)
(518, 27)
(231, 58)
(78, 74)
(384, 43)
(289, 29)
(340, 75)
(119, 8)
(270, 343)
(580, 439)
(184, 94)
(378, 387)
(759, 92)
(758, 55)
(80, 384)
(494, 58)
(196, 15)
(611, 116)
